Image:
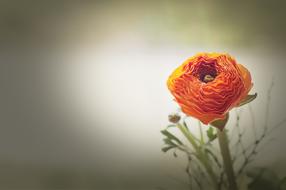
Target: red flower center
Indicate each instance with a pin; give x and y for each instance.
(206, 72)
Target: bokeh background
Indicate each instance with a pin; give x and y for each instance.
(83, 86)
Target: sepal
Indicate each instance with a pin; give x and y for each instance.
(220, 123)
(249, 98)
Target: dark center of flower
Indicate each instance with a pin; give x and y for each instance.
(206, 72)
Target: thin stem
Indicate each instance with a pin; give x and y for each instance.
(228, 167)
(200, 155)
(201, 133)
(252, 120)
(189, 136)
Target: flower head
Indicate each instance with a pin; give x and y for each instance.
(208, 85)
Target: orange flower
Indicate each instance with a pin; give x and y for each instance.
(208, 85)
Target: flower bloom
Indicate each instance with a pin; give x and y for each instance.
(208, 85)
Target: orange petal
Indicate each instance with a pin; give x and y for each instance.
(246, 78)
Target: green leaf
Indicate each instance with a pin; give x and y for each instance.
(169, 142)
(247, 99)
(171, 136)
(185, 125)
(220, 123)
(165, 149)
(215, 158)
(170, 126)
(211, 135)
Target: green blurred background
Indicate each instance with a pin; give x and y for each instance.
(83, 94)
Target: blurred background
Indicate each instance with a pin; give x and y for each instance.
(83, 86)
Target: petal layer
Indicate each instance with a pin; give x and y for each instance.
(209, 100)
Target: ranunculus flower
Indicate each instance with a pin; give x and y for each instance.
(208, 85)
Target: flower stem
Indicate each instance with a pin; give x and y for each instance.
(188, 135)
(228, 167)
(200, 155)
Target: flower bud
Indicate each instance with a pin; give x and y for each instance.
(174, 118)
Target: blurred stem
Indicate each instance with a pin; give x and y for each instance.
(201, 133)
(228, 166)
(201, 156)
(189, 136)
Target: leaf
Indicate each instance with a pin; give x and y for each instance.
(220, 123)
(170, 126)
(185, 125)
(169, 142)
(211, 135)
(215, 158)
(247, 99)
(165, 149)
(171, 136)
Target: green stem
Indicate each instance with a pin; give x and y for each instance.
(201, 133)
(228, 167)
(189, 136)
(200, 155)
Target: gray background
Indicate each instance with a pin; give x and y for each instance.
(83, 86)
